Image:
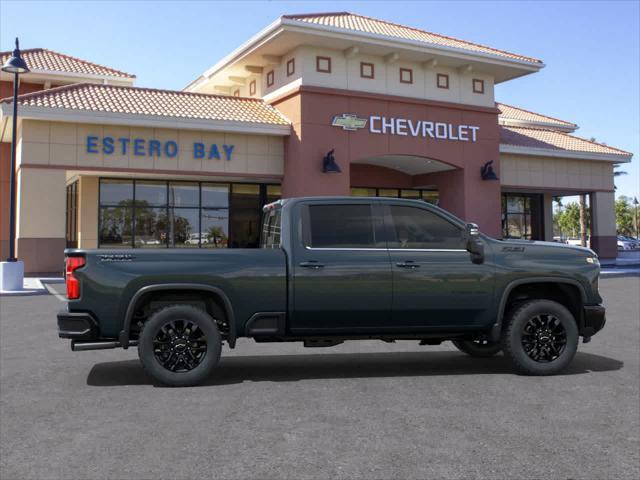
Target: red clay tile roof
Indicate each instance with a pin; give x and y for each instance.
(147, 101)
(516, 113)
(360, 23)
(553, 140)
(43, 59)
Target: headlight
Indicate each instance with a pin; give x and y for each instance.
(593, 260)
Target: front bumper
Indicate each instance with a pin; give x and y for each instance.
(77, 325)
(594, 320)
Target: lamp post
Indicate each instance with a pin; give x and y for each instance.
(12, 270)
(635, 214)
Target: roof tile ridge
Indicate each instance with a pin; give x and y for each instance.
(314, 15)
(22, 50)
(537, 60)
(596, 143)
(129, 75)
(179, 92)
(42, 93)
(536, 113)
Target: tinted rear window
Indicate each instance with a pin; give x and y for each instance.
(340, 226)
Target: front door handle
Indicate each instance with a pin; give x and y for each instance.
(408, 264)
(311, 264)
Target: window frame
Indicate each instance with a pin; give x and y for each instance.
(445, 77)
(410, 72)
(252, 88)
(373, 70)
(201, 207)
(319, 58)
(291, 66)
(270, 78)
(480, 82)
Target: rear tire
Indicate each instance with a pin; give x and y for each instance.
(478, 348)
(179, 345)
(540, 338)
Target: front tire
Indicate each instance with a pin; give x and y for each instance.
(179, 345)
(478, 348)
(540, 338)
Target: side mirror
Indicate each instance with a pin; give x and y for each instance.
(474, 245)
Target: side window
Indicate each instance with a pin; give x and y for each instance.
(271, 229)
(340, 226)
(417, 228)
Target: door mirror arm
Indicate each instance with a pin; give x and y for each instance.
(475, 247)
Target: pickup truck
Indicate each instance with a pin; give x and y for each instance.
(332, 269)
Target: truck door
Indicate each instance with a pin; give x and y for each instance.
(435, 284)
(342, 274)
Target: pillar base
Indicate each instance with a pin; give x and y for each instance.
(11, 276)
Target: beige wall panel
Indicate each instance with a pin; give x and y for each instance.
(34, 153)
(61, 154)
(86, 159)
(396, 87)
(88, 212)
(257, 144)
(162, 162)
(355, 82)
(64, 133)
(527, 171)
(276, 146)
(186, 161)
(42, 203)
(35, 131)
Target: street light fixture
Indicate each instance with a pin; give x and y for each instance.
(12, 271)
(635, 214)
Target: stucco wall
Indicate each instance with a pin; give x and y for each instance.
(555, 173)
(65, 144)
(345, 74)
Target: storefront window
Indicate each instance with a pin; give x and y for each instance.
(245, 215)
(149, 213)
(430, 196)
(521, 216)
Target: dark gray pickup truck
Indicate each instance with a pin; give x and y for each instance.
(334, 269)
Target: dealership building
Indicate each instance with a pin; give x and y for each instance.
(404, 112)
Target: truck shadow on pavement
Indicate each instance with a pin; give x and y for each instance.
(292, 368)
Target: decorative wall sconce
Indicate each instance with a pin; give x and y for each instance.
(329, 164)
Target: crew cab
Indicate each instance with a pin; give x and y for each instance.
(333, 269)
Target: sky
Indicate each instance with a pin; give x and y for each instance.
(591, 49)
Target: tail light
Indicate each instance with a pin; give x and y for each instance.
(73, 284)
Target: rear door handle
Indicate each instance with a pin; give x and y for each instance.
(311, 264)
(408, 264)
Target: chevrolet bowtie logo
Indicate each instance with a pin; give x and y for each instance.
(349, 122)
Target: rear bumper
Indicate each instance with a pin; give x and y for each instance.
(594, 320)
(77, 325)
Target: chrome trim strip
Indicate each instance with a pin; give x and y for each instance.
(386, 249)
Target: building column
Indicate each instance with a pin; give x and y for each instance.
(547, 217)
(88, 212)
(40, 231)
(463, 193)
(603, 225)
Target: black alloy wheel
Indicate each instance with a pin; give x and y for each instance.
(540, 337)
(179, 345)
(544, 338)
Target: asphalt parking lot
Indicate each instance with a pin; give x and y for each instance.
(358, 410)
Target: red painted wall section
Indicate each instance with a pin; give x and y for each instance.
(462, 191)
(6, 88)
